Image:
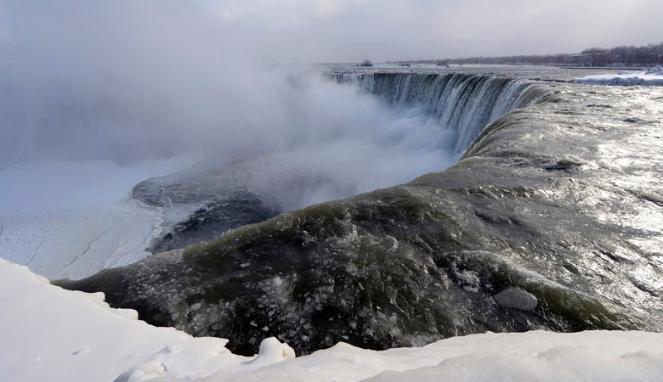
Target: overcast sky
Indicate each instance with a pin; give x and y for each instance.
(350, 30)
(332, 30)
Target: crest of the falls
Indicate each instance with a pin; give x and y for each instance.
(461, 102)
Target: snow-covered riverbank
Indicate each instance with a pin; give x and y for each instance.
(71, 219)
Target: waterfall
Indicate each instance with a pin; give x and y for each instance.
(464, 103)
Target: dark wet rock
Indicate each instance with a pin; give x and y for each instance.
(216, 195)
(498, 242)
(215, 218)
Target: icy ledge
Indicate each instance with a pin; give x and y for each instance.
(50, 334)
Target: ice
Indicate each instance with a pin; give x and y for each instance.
(516, 298)
(650, 77)
(51, 334)
(657, 71)
(72, 219)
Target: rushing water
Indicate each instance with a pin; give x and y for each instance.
(461, 102)
(551, 219)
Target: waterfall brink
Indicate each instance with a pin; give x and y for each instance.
(464, 103)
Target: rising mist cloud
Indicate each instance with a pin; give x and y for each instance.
(132, 79)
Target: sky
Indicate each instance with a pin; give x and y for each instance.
(351, 30)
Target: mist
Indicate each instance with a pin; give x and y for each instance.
(126, 81)
(129, 81)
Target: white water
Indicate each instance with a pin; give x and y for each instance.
(462, 104)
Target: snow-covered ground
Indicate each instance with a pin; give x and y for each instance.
(653, 76)
(71, 219)
(50, 334)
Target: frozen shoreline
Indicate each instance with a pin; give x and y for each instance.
(72, 219)
(650, 77)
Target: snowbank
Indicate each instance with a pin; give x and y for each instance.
(51, 334)
(532, 356)
(653, 76)
(72, 219)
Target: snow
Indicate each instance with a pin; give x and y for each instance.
(71, 219)
(532, 356)
(653, 76)
(50, 334)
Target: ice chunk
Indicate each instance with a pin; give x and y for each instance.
(516, 298)
(272, 351)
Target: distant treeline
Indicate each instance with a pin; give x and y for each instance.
(649, 55)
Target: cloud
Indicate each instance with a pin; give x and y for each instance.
(350, 30)
(345, 30)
